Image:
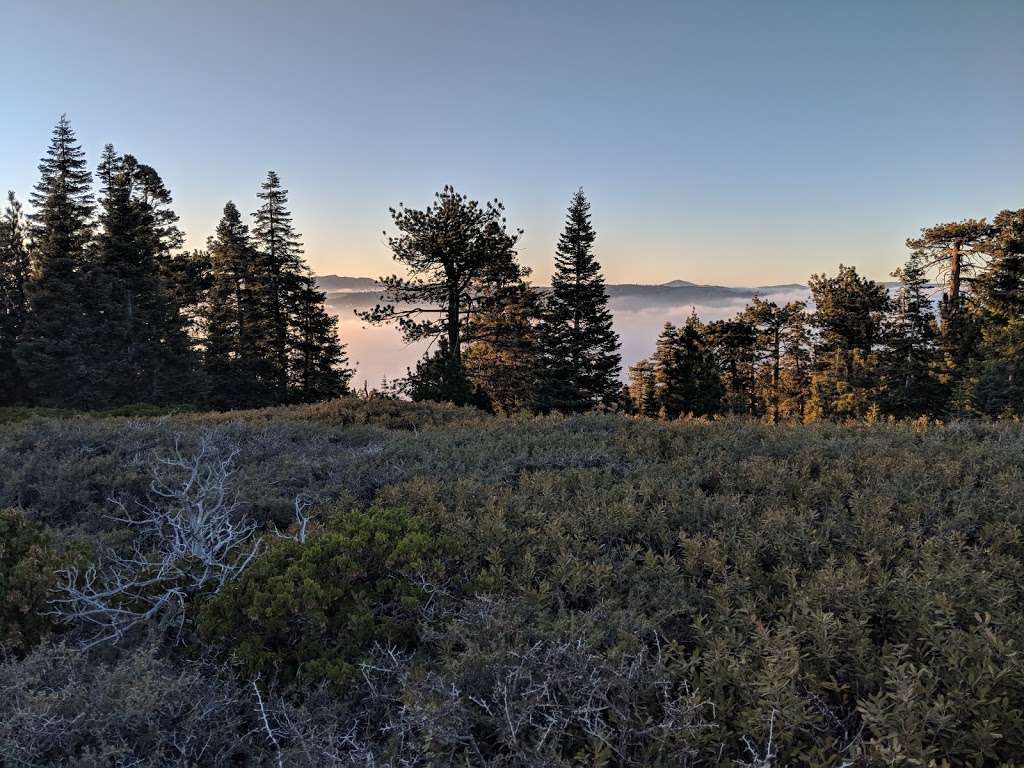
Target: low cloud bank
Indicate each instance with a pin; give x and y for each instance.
(377, 353)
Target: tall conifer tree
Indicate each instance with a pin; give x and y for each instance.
(56, 330)
(14, 275)
(849, 313)
(734, 344)
(910, 359)
(280, 271)
(999, 386)
(955, 251)
(580, 360)
(461, 262)
(686, 372)
(238, 373)
(769, 323)
(317, 363)
(143, 354)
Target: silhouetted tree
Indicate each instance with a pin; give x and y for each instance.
(999, 389)
(56, 332)
(579, 349)
(442, 377)
(188, 275)
(238, 372)
(143, 353)
(317, 363)
(453, 250)
(14, 276)
(280, 270)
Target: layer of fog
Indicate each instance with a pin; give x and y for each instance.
(377, 353)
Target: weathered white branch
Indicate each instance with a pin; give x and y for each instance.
(190, 539)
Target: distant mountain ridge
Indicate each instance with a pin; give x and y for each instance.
(365, 291)
(331, 283)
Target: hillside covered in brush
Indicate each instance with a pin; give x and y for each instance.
(386, 583)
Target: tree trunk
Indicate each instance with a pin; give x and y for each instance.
(955, 266)
(454, 342)
(776, 375)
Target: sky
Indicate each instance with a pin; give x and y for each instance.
(737, 143)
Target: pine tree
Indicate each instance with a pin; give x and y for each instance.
(143, 353)
(733, 344)
(14, 276)
(999, 388)
(910, 360)
(501, 357)
(643, 389)
(317, 363)
(281, 272)
(797, 362)
(460, 256)
(686, 372)
(108, 289)
(56, 329)
(668, 373)
(580, 359)
(849, 311)
(769, 323)
(238, 374)
(955, 251)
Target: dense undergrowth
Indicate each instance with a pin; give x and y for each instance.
(474, 590)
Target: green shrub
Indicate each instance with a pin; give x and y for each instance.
(310, 611)
(27, 574)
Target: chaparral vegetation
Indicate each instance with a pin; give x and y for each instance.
(374, 582)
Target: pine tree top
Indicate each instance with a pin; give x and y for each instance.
(272, 232)
(63, 191)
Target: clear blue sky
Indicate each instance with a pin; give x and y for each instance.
(725, 142)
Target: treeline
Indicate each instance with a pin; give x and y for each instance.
(855, 351)
(101, 307)
(862, 352)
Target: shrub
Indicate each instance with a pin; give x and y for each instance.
(311, 611)
(27, 574)
(61, 707)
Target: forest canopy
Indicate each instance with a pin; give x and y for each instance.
(100, 308)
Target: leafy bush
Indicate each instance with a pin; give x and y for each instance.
(27, 574)
(311, 611)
